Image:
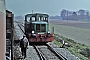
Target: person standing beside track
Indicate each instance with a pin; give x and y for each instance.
(23, 45)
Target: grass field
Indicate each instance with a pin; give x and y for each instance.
(76, 32)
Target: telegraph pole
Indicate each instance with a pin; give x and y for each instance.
(67, 15)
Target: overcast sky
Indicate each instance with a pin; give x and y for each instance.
(52, 7)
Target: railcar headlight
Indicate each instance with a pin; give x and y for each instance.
(32, 32)
(48, 32)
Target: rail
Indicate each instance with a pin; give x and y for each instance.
(39, 53)
(42, 56)
(59, 55)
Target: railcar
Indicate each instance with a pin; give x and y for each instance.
(9, 33)
(37, 28)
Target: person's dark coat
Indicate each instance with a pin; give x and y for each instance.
(23, 45)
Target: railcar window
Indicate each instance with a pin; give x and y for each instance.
(33, 18)
(28, 19)
(44, 18)
(40, 18)
(8, 35)
(43, 28)
(32, 26)
(40, 28)
(9, 20)
(37, 27)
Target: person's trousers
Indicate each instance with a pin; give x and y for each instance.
(23, 51)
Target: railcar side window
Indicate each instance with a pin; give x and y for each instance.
(9, 20)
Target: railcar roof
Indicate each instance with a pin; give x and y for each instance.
(34, 14)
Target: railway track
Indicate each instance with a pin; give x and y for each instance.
(21, 26)
(46, 52)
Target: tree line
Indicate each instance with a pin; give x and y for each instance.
(75, 15)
